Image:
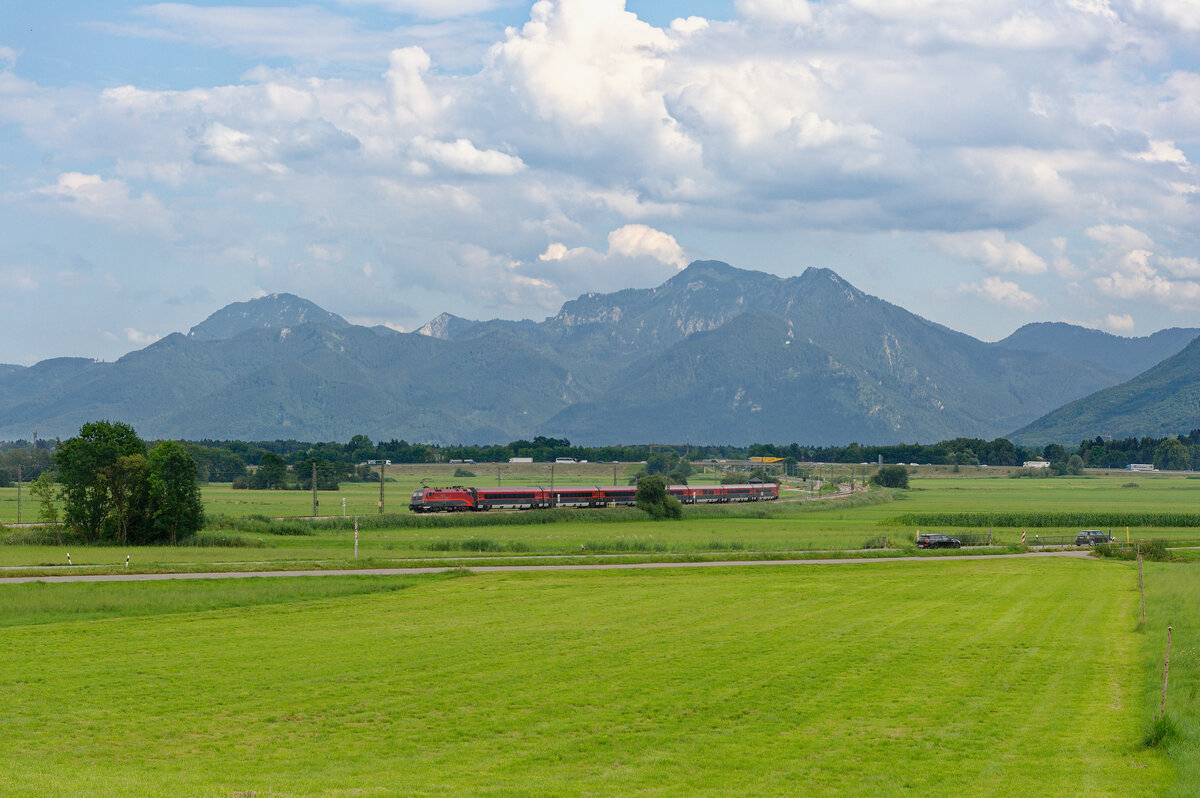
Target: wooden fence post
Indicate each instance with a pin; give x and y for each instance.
(1166, 673)
(1141, 582)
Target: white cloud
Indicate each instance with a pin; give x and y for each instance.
(109, 201)
(637, 240)
(1120, 236)
(992, 250)
(140, 338)
(689, 25)
(464, 157)
(303, 32)
(1163, 152)
(1002, 292)
(1118, 323)
(435, 9)
(791, 12)
(413, 102)
(8, 56)
(17, 280)
(1181, 14)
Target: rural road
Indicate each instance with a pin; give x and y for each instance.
(517, 568)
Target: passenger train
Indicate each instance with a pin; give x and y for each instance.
(458, 499)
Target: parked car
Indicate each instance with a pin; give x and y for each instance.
(1090, 537)
(938, 542)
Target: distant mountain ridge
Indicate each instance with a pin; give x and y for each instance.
(1126, 356)
(1163, 401)
(714, 354)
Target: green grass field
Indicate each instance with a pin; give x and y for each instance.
(778, 527)
(1173, 599)
(1013, 678)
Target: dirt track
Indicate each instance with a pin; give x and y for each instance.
(518, 568)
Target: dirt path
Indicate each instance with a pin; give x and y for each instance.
(518, 568)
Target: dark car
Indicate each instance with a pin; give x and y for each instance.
(938, 542)
(1090, 537)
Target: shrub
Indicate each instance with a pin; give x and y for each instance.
(462, 473)
(891, 476)
(653, 499)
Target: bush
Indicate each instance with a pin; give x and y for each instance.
(1030, 473)
(891, 476)
(653, 499)
(462, 473)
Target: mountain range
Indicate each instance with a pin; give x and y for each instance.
(713, 355)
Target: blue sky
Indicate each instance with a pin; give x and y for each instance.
(984, 164)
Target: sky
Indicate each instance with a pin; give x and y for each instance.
(983, 163)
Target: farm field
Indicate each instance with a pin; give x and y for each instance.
(776, 527)
(1014, 677)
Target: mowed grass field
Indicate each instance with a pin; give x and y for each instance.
(996, 677)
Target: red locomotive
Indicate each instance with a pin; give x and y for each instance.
(458, 499)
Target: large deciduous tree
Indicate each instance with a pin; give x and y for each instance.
(176, 511)
(1171, 455)
(87, 467)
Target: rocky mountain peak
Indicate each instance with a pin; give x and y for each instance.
(270, 311)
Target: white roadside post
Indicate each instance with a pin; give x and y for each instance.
(356, 537)
(343, 507)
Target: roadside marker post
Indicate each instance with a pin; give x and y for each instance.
(1022, 537)
(356, 537)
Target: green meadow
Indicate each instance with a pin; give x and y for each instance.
(240, 530)
(994, 677)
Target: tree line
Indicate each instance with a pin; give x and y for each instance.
(284, 464)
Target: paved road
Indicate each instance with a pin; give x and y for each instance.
(515, 568)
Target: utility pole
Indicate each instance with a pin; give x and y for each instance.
(315, 489)
(18, 494)
(382, 468)
(614, 474)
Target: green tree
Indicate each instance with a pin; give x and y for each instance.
(1171, 455)
(1055, 453)
(327, 474)
(658, 463)
(87, 467)
(176, 512)
(271, 473)
(127, 482)
(652, 498)
(46, 494)
(1075, 465)
(891, 476)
